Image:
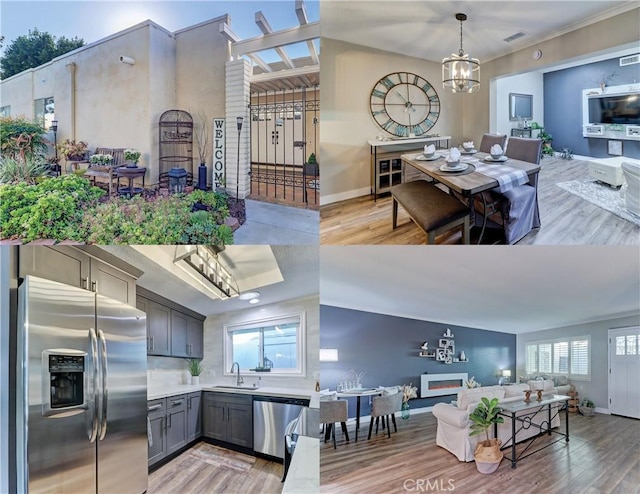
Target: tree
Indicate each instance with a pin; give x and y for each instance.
(29, 51)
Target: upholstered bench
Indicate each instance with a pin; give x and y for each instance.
(433, 210)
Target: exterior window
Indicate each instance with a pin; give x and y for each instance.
(631, 344)
(568, 356)
(44, 110)
(5, 111)
(276, 343)
(620, 347)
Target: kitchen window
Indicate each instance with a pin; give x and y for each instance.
(274, 345)
(569, 357)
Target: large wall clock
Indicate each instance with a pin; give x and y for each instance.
(404, 104)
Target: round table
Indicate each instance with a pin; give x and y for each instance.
(130, 173)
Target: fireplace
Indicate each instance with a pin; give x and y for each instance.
(442, 384)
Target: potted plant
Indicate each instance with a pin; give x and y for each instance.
(72, 150)
(195, 368)
(587, 408)
(132, 156)
(487, 454)
(547, 140)
(103, 160)
(408, 392)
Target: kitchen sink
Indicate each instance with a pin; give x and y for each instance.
(235, 387)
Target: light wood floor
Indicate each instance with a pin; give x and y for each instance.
(566, 219)
(205, 468)
(602, 456)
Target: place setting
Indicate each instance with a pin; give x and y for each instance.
(454, 165)
(468, 148)
(496, 154)
(429, 154)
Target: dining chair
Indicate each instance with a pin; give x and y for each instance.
(332, 412)
(489, 140)
(631, 172)
(516, 210)
(385, 407)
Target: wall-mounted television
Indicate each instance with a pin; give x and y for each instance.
(615, 109)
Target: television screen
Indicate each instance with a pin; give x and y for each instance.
(620, 109)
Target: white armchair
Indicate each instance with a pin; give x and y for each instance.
(631, 173)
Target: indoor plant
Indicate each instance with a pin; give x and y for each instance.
(195, 368)
(408, 392)
(487, 454)
(547, 139)
(587, 408)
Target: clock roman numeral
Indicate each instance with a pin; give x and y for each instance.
(402, 131)
(417, 129)
(388, 83)
(378, 94)
(379, 112)
(388, 124)
(416, 79)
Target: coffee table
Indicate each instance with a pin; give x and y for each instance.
(522, 413)
(130, 173)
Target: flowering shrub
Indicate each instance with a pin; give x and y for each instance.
(101, 159)
(132, 155)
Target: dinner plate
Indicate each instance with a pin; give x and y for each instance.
(422, 157)
(459, 167)
(472, 151)
(501, 158)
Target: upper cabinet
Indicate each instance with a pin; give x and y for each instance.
(76, 267)
(172, 330)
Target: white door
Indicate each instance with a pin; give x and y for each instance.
(624, 369)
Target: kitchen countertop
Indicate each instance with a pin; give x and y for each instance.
(304, 471)
(155, 393)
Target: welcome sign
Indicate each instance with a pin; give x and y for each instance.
(219, 167)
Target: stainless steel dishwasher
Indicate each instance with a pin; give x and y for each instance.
(271, 415)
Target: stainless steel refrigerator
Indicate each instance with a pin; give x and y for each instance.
(82, 377)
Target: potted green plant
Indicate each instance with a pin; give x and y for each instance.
(587, 408)
(487, 453)
(132, 156)
(195, 368)
(547, 140)
(72, 150)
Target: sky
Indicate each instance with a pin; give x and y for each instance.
(94, 20)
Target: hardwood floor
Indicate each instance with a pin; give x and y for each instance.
(601, 457)
(566, 219)
(205, 468)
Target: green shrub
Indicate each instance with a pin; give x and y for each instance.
(218, 201)
(13, 170)
(51, 209)
(11, 128)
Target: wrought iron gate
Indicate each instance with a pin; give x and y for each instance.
(284, 133)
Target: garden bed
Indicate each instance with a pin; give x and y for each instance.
(68, 208)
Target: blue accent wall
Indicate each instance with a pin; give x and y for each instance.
(563, 106)
(386, 348)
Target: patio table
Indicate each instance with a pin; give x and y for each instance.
(130, 173)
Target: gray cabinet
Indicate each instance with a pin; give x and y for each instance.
(176, 423)
(75, 267)
(172, 330)
(158, 329)
(194, 417)
(156, 411)
(388, 172)
(229, 418)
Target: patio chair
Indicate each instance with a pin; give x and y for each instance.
(489, 140)
(631, 173)
(516, 210)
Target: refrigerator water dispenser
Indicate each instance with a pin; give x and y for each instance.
(63, 387)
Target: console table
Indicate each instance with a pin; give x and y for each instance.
(386, 164)
(525, 411)
(526, 132)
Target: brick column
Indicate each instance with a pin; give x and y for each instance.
(237, 105)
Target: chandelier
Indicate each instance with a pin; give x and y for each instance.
(460, 73)
(202, 264)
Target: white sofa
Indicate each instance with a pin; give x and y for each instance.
(454, 425)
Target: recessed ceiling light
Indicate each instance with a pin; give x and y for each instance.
(249, 295)
(254, 300)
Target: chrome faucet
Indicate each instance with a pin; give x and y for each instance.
(239, 380)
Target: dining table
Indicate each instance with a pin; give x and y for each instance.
(358, 394)
(481, 174)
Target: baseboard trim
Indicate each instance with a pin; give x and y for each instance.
(343, 196)
(367, 418)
